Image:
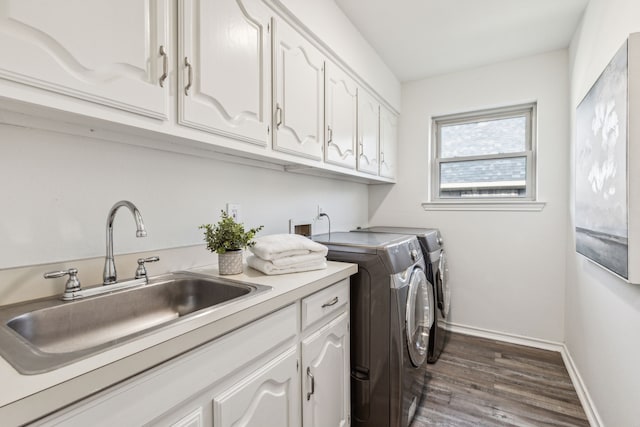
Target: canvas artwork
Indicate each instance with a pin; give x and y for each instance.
(601, 214)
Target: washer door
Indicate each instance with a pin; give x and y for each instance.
(444, 292)
(419, 316)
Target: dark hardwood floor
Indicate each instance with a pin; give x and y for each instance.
(482, 382)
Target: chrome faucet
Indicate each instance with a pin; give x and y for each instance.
(110, 275)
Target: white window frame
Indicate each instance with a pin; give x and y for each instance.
(496, 203)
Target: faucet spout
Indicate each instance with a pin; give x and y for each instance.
(110, 276)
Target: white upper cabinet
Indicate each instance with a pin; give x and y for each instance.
(388, 143)
(225, 67)
(112, 52)
(368, 133)
(298, 94)
(341, 117)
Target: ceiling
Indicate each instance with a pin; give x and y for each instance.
(422, 38)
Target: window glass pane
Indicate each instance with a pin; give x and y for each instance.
(484, 178)
(484, 137)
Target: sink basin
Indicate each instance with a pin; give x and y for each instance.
(43, 335)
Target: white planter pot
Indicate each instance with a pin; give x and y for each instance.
(230, 262)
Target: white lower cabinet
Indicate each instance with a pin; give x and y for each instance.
(248, 377)
(326, 397)
(267, 396)
(325, 358)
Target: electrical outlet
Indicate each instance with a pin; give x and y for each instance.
(233, 210)
(320, 210)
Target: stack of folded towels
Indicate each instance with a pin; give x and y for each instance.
(287, 253)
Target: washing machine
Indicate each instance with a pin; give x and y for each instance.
(431, 243)
(391, 318)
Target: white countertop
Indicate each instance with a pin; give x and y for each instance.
(27, 397)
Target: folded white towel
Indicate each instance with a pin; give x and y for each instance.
(267, 267)
(276, 246)
(296, 260)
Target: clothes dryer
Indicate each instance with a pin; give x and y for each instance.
(431, 243)
(391, 317)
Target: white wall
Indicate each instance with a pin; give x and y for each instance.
(57, 190)
(325, 19)
(507, 268)
(602, 312)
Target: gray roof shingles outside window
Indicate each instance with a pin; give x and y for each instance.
(512, 169)
(488, 137)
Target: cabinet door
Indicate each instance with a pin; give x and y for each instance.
(368, 133)
(325, 361)
(388, 143)
(109, 52)
(299, 94)
(265, 398)
(341, 117)
(225, 66)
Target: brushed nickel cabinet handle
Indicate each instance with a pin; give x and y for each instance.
(165, 66)
(313, 383)
(330, 140)
(278, 116)
(334, 301)
(187, 64)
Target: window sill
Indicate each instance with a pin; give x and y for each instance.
(514, 206)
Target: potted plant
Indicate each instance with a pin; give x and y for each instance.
(227, 238)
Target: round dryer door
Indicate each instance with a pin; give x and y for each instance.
(444, 292)
(419, 316)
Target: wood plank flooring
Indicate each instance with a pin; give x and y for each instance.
(482, 382)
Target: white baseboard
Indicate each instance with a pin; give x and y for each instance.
(583, 394)
(505, 337)
(581, 389)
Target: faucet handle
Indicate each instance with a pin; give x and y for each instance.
(141, 271)
(72, 285)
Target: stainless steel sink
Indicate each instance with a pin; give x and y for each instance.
(46, 334)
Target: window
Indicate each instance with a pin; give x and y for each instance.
(485, 155)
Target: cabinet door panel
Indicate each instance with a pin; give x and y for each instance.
(299, 94)
(326, 391)
(341, 117)
(368, 133)
(111, 55)
(226, 43)
(193, 419)
(388, 143)
(268, 397)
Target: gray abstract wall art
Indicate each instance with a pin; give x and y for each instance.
(601, 210)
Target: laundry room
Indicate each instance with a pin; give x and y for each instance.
(416, 236)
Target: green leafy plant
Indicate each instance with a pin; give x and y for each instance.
(228, 235)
